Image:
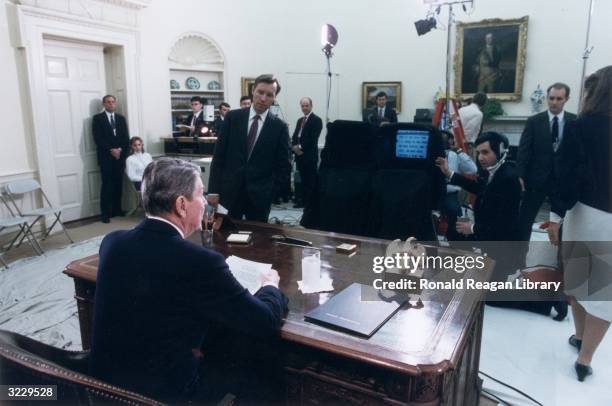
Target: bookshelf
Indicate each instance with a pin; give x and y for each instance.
(196, 68)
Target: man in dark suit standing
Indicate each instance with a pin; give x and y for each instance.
(538, 146)
(305, 146)
(111, 135)
(223, 109)
(381, 113)
(251, 157)
(159, 295)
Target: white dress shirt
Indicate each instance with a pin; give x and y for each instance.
(262, 120)
(471, 119)
(459, 163)
(136, 164)
(561, 118)
(108, 117)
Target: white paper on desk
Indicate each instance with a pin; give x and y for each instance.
(248, 273)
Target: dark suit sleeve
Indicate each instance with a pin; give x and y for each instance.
(294, 137)
(232, 305)
(282, 157)
(525, 149)
(310, 143)
(220, 156)
(472, 186)
(102, 142)
(125, 137)
(393, 115)
(505, 201)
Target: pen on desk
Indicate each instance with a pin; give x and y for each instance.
(296, 245)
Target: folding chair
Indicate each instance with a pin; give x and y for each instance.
(22, 187)
(24, 228)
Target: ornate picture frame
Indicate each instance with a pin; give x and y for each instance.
(490, 57)
(392, 89)
(246, 86)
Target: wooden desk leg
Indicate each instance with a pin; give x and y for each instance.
(84, 295)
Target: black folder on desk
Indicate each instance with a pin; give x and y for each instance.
(346, 311)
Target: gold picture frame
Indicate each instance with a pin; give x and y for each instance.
(246, 86)
(392, 89)
(490, 58)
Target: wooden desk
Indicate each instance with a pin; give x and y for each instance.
(421, 356)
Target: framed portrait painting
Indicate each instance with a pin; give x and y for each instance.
(392, 89)
(246, 86)
(490, 58)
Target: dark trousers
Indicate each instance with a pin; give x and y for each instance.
(245, 207)
(530, 205)
(112, 186)
(451, 209)
(308, 176)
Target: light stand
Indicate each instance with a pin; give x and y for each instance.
(586, 54)
(329, 39)
(447, 123)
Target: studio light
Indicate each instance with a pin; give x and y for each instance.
(424, 26)
(329, 38)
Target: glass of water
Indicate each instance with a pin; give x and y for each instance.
(311, 266)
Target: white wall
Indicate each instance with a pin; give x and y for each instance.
(377, 42)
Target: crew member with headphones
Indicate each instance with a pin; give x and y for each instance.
(497, 190)
(496, 210)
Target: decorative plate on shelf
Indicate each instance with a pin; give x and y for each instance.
(214, 85)
(174, 84)
(192, 83)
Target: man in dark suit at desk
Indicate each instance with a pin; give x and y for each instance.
(251, 157)
(111, 135)
(194, 123)
(538, 146)
(158, 296)
(381, 113)
(305, 146)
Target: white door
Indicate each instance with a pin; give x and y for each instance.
(75, 81)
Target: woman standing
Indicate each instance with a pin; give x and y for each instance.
(584, 201)
(137, 162)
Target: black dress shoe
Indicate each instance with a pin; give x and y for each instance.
(582, 371)
(561, 308)
(575, 342)
(105, 220)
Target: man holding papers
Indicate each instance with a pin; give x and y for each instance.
(158, 295)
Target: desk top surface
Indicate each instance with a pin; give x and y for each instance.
(428, 338)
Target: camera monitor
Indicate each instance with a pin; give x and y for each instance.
(411, 144)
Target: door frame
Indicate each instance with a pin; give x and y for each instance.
(35, 25)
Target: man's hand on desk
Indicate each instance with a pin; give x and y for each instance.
(270, 278)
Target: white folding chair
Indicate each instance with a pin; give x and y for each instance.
(22, 187)
(24, 231)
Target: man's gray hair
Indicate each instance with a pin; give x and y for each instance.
(164, 180)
